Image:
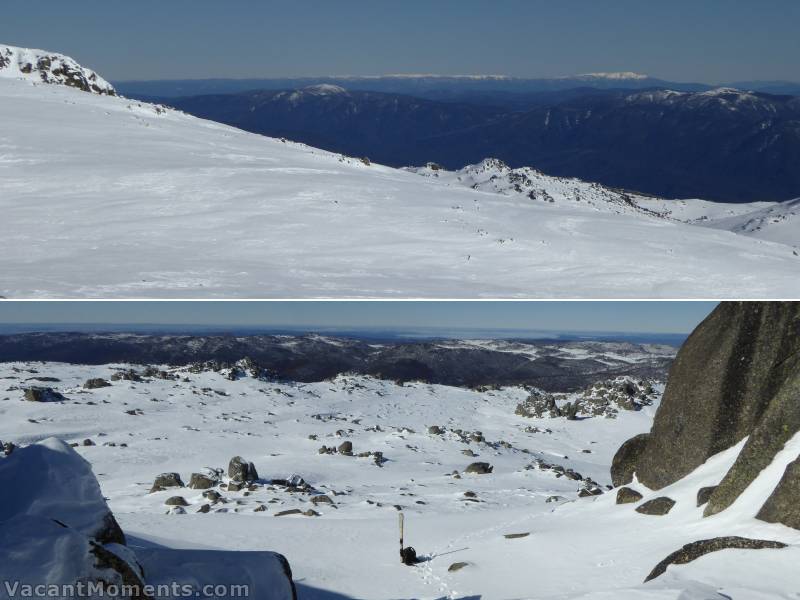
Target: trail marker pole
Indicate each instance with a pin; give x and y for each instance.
(401, 518)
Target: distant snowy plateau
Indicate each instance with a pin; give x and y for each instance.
(102, 196)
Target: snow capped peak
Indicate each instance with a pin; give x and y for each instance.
(622, 75)
(324, 89)
(50, 67)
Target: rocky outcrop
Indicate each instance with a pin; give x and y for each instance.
(737, 376)
(165, 481)
(50, 67)
(783, 505)
(700, 548)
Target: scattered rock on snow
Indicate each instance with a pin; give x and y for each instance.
(479, 468)
(457, 566)
(626, 495)
(657, 506)
(95, 383)
(200, 481)
(43, 394)
(166, 480)
(176, 501)
(241, 470)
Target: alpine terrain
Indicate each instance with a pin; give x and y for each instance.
(226, 471)
(103, 196)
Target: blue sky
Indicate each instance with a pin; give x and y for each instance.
(633, 317)
(685, 40)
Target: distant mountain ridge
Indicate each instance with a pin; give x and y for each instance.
(720, 144)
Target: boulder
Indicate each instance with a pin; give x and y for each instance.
(626, 495)
(457, 566)
(51, 481)
(479, 468)
(241, 470)
(97, 382)
(176, 501)
(623, 466)
(165, 481)
(200, 481)
(783, 505)
(43, 394)
(704, 493)
(435, 430)
(346, 448)
(695, 550)
(657, 506)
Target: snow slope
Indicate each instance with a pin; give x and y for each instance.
(106, 197)
(576, 548)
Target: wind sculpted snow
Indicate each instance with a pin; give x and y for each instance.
(108, 197)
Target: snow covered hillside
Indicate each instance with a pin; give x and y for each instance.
(769, 221)
(106, 197)
(336, 461)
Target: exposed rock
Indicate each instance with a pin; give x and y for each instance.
(321, 500)
(783, 505)
(204, 509)
(736, 376)
(241, 470)
(291, 511)
(176, 501)
(212, 495)
(479, 468)
(97, 382)
(623, 466)
(43, 394)
(200, 481)
(539, 404)
(626, 495)
(657, 506)
(700, 548)
(435, 430)
(457, 566)
(346, 448)
(704, 493)
(515, 536)
(166, 480)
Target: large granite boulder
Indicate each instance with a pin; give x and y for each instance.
(737, 375)
(783, 505)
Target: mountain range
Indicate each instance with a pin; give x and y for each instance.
(722, 144)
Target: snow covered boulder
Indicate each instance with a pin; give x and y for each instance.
(50, 480)
(42, 551)
(265, 575)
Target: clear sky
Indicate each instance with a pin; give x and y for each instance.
(709, 41)
(633, 317)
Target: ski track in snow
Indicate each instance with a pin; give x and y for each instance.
(108, 197)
